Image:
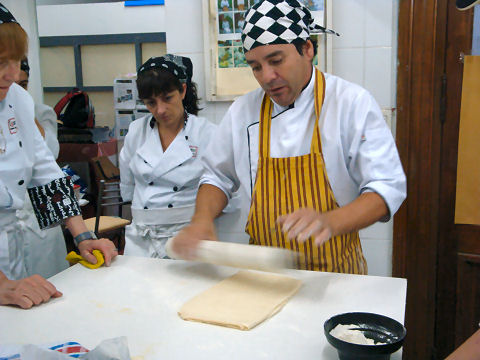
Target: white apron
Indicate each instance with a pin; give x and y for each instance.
(151, 228)
(49, 242)
(11, 246)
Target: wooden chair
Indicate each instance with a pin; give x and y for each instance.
(108, 196)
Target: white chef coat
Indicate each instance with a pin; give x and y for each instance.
(25, 161)
(49, 242)
(358, 147)
(162, 185)
(47, 118)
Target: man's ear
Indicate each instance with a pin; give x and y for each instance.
(308, 49)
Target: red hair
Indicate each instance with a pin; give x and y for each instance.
(13, 41)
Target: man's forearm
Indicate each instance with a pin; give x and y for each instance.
(365, 210)
(210, 202)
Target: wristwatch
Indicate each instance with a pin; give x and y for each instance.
(87, 235)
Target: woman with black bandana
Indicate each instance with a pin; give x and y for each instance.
(159, 161)
(27, 164)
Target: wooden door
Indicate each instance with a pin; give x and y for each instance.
(441, 260)
(458, 284)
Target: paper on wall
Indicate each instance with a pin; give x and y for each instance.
(467, 202)
(123, 119)
(125, 93)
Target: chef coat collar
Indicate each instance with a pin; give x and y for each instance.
(177, 153)
(305, 95)
(153, 121)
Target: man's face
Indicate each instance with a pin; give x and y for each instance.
(281, 71)
(9, 71)
(23, 80)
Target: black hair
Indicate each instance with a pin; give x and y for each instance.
(299, 43)
(157, 82)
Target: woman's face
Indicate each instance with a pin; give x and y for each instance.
(167, 108)
(23, 80)
(9, 72)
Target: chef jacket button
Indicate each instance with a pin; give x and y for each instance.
(186, 137)
(175, 188)
(145, 161)
(150, 183)
(179, 164)
(20, 143)
(145, 207)
(21, 182)
(170, 205)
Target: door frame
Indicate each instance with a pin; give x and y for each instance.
(423, 242)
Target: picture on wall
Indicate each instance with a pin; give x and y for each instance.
(225, 59)
(314, 5)
(231, 19)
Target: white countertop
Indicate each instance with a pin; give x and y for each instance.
(139, 298)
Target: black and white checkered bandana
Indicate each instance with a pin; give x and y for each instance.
(278, 22)
(6, 16)
(179, 66)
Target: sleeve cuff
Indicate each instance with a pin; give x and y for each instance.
(54, 202)
(393, 197)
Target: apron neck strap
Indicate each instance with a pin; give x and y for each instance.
(266, 118)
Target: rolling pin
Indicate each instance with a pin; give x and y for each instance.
(244, 256)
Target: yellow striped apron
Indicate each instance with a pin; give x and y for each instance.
(284, 185)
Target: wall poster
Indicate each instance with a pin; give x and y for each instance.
(228, 74)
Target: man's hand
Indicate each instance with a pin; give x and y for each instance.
(27, 292)
(303, 223)
(185, 243)
(104, 245)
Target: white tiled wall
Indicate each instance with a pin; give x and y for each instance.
(365, 53)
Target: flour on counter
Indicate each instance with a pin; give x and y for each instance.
(345, 333)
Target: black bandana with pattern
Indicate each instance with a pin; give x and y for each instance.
(6, 16)
(24, 66)
(180, 66)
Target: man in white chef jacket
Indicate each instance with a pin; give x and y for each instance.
(311, 149)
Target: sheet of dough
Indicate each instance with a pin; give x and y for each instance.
(241, 301)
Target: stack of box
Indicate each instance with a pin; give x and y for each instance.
(128, 106)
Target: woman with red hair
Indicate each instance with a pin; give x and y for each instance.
(26, 164)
